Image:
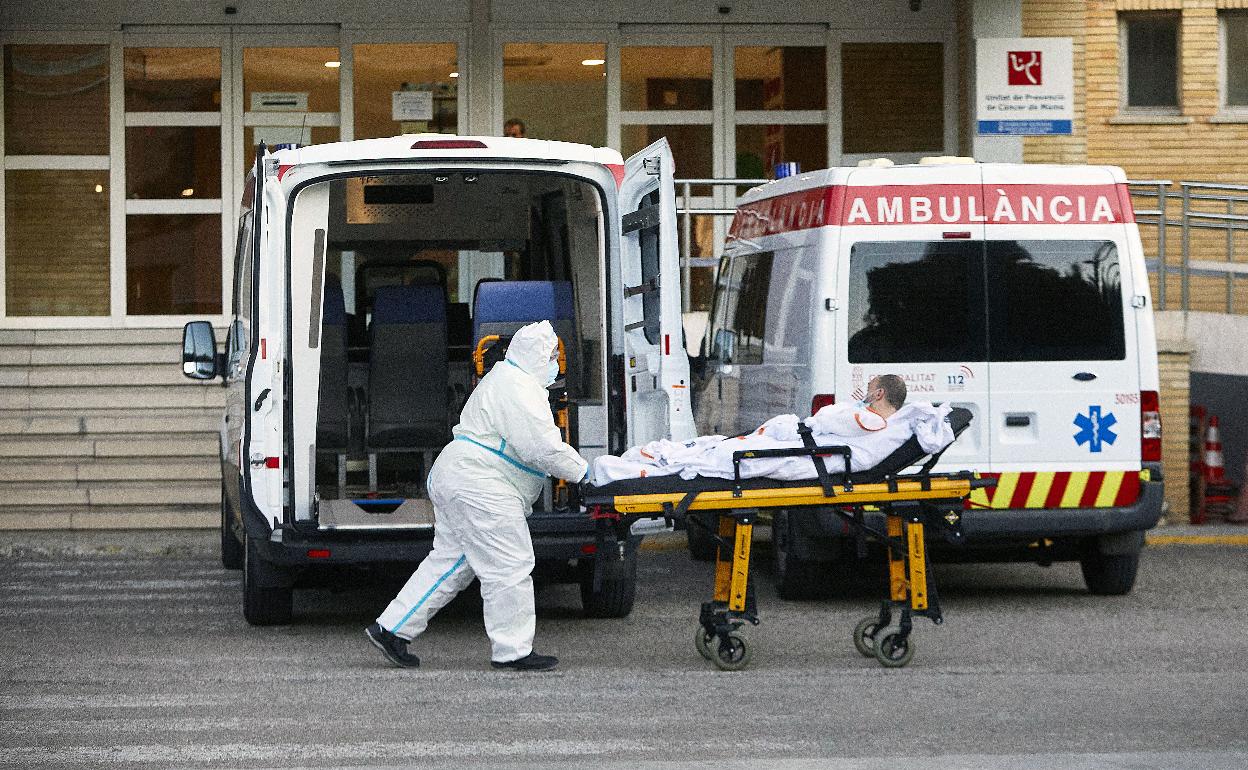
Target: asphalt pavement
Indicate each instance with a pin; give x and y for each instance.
(122, 650)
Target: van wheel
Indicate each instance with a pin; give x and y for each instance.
(796, 578)
(1109, 574)
(703, 545)
(231, 548)
(263, 605)
(615, 595)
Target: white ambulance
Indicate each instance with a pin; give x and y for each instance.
(1018, 292)
(370, 277)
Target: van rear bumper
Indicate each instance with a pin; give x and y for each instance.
(556, 537)
(981, 525)
(1005, 527)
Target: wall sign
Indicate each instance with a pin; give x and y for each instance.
(411, 105)
(1024, 85)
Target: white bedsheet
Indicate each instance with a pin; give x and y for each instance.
(869, 436)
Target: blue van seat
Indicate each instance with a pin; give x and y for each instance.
(407, 381)
(502, 307)
(333, 413)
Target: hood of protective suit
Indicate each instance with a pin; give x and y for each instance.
(531, 346)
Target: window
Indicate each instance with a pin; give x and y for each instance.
(173, 180)
(916, 302)
(559, 90)
(56, 181)
(747, 319)
(382, 69)
(1150, 48)
(241, 327)
(1055, 301)
(893, 97)
(651, 299)
(1234, 59)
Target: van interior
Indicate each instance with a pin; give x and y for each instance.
(421, 269)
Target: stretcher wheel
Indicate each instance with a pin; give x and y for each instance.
(892, 650)
(864, 635)
(703, 641)
(733, 654)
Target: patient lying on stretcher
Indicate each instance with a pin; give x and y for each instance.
(872, 429)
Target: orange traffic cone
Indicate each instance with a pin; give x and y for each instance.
(1215, 465)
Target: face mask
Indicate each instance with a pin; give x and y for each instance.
(552, 373)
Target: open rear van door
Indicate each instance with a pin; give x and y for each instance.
(265, 397)
(656, 364)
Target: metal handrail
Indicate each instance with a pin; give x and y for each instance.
(1190, 196)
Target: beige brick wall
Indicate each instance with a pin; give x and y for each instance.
(1174, 363)
(1198, 149)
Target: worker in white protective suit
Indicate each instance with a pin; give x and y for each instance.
(483, 485)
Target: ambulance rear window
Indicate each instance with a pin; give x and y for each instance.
(916, 301)
(1055, 301)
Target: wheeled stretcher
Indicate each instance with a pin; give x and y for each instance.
(911, 504)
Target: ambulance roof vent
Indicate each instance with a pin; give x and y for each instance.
(875, 163)
(946, 160)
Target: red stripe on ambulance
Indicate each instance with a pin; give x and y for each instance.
(939, 204)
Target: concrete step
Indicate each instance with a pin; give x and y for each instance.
(198, 421)
(76, 471)
(112, 517)
(108, 445)
(95, 337)
(192, 395)
(102, 375)
(109, 493)
(169, 354)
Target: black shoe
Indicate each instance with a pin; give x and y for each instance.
(530, 662)
(393, 647)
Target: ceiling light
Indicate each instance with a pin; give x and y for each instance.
(593, 62)
(453, 75)
(188, 192)
(333, 65)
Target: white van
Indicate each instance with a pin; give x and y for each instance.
(1016, 291)
(368, 274)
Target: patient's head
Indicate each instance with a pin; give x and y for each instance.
(886, 393)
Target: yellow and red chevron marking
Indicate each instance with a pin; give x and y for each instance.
(1058, 489)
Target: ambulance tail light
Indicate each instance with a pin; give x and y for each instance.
(821, 400)
(1150, 426)
(449, 144)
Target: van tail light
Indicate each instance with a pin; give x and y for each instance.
(449, 144)
(821, 400)
(1150, 426)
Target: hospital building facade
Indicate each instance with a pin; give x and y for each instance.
(128, 127)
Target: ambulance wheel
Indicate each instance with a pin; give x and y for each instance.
(732, 654)
(617, 591)
(893, 651)
(231, 548)
(864, 635)
(703, 546)
(263, 604)
(1109, 574)
(703, 641)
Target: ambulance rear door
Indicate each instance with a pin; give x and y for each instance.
(656, 366)
(1062, 343)
(910, 293)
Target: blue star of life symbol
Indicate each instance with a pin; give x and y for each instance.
(1095, 428)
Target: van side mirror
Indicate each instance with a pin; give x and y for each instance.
(199, 351)
(725, 345)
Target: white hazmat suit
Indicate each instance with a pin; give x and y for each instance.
(483, 485)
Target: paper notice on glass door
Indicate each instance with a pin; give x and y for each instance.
(411, 105)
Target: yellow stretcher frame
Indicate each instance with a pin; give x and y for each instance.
(906, 502)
